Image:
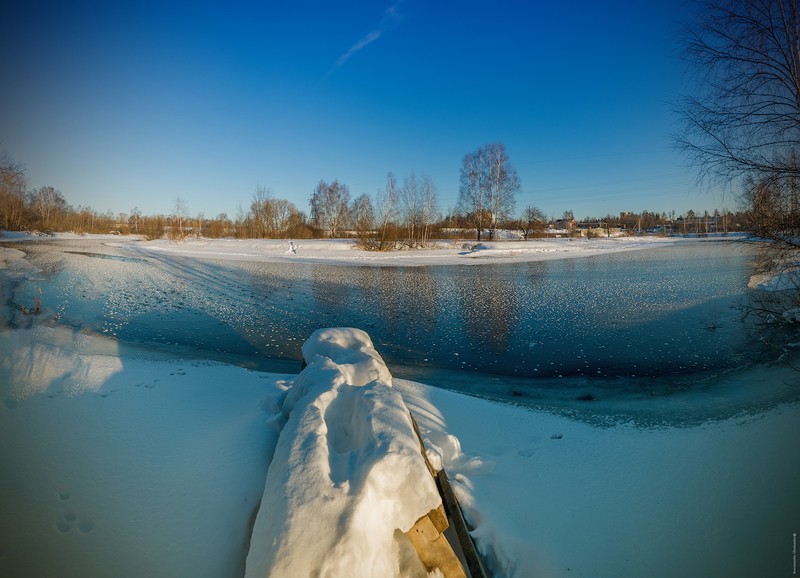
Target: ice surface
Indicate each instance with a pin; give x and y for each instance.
(612, 320)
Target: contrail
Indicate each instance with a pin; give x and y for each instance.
(390, 19)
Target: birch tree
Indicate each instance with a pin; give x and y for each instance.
(471, 194)
(362, 212)
(429, 207)
(181, 213)
(48, 203)
(488, 187)
(134, 219)
(418, 207)
(410, 201)
(329, 205)
(502, 183)
(388, 211)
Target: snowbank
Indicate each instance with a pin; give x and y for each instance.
(347, 479)
(346, 252)
(10, 256)
(788, 280)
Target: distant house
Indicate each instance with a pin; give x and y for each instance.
(568, 225)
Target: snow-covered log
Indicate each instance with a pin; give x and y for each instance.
(347, 479)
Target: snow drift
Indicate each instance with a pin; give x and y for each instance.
(347, 479)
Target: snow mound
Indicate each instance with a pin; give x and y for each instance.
(353, 351)
(347, 479)
(7, 256)
(55, 360)
(776, 281)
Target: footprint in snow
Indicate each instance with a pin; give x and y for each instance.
(70, 518)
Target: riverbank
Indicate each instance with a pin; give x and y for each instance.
(347, 252)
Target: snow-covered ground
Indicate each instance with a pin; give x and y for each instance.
(119, 461)
(345, 251)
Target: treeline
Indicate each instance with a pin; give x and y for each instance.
(405, 213)
(690, 223)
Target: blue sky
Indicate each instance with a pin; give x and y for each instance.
(123, 104)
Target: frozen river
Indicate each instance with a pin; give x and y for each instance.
(652, 322)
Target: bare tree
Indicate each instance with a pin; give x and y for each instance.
(388, 208)
(282, 211)
(418, 207)
(532, 220)
(242, 223)
(261, 211)
(198, 224)
(12, 193)
(743, 120)
(134, 219)
(472, 192)
(362, 212)
(329, 205)
(154, 227)
(489, 184)
(429, 207)
(219, 226)
(502, 183)
(48, 203)
(410, 207)
(181, 214)
(745, 113)
(376, 221)
(298, 226)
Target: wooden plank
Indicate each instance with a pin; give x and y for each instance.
(433, 548)
(456, 516)
(431, 469)
(439, 518)
(452, 510)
